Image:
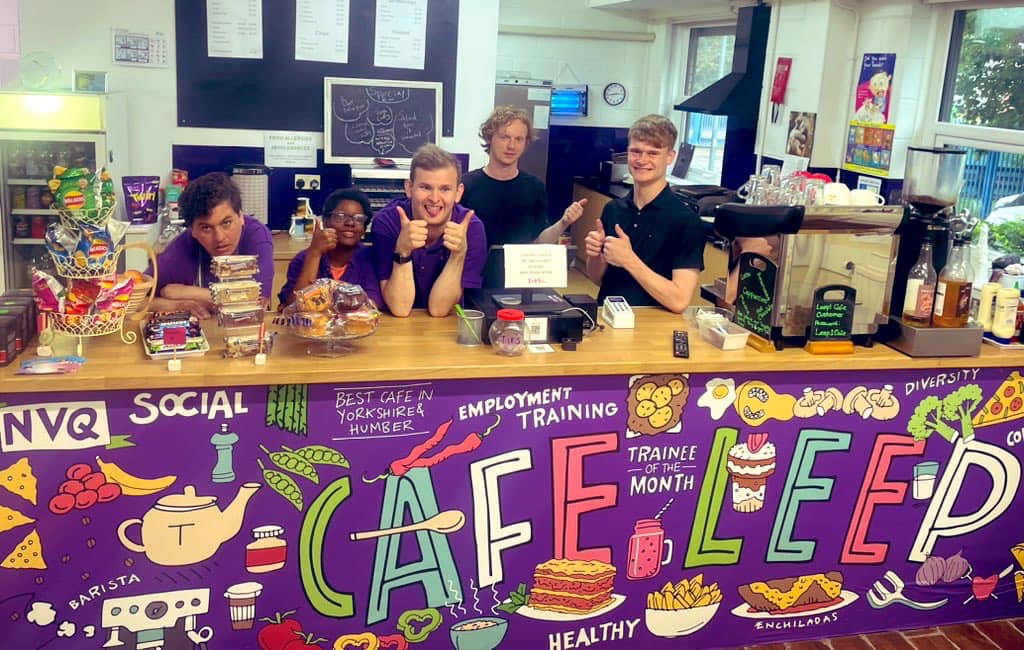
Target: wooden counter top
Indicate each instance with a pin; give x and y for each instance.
(421, 347)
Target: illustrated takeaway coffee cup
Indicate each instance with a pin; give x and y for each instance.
(836, 194)
(470, 327)
(866, 197)
(242, 604)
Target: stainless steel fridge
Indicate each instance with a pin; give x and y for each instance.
(533, 95)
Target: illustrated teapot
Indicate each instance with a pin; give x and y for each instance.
(185, 528)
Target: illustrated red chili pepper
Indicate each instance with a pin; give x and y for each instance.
(415, 457)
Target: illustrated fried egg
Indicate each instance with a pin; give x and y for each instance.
(719, 394)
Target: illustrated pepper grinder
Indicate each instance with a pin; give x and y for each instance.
(223, 442)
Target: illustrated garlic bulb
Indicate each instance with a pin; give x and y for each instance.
(931, 571)
(956, 567)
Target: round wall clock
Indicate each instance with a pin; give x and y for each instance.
(614, 93)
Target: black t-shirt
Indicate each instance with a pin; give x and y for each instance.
(665, 235)
(513, 211)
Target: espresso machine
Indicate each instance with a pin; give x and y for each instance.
(931, 184)
(161, 621)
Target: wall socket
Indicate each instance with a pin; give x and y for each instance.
(307, 182)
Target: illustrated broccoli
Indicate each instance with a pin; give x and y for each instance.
(935, 415)
(960, 405)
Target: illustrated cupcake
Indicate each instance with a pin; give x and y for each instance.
(750, 464)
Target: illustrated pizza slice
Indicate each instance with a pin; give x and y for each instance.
(18, 479)
(11, 519)
(28, 554)
(1005, 405)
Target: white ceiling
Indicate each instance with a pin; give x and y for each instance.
(694, 10)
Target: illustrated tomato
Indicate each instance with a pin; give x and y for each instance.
(108, 492)
(61, 504)
(79, 471)
(303, 642)
(71, 486)
(94, 480)
(86, 499)
(280, 631)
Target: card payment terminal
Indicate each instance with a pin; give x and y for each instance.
(617, 312)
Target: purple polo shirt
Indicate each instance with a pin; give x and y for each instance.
(185, 261)
(429, 261)
(359, 271)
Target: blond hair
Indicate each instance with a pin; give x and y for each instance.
(503, 116)
(431, 157)
(655, 130)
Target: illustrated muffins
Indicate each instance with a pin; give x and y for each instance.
(750, 464)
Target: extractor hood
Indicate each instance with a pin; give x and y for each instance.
(739, 92)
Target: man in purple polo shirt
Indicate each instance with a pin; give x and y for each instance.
(427, 248)
(211, 207)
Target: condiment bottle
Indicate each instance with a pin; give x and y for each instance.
(1004, 318)
(917, 306)
(953, 293)
(267, 552)
(986, 307)
(508, 333)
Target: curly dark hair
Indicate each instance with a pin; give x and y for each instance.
(205, 193)
(348, 194)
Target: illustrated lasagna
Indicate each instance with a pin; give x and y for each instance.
(572, 586)
(794, 595)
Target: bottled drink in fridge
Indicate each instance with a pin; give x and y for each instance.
(917, 306)
(953, 292)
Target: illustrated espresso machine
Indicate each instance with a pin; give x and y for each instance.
(932, 181)
(781, 257)
(160, 621)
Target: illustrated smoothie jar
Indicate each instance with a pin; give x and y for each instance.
(647, 550)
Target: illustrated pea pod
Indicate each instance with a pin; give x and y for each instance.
(324, 598)
(362, 641)
(320, 455)
(292, 462)
(417, 624)
(282, 484)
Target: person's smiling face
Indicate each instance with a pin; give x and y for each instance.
(434, 193)
(348, 222)
(648, 162)
(219, 231)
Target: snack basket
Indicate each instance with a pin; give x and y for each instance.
(92, 216)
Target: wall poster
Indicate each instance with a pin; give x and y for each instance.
(581, 512)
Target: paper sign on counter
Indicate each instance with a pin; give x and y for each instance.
(535, 265)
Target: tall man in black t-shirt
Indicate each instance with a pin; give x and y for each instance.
(512, 204)
(648, 247)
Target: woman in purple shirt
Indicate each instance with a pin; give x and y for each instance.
(211, 206)
(336, 250)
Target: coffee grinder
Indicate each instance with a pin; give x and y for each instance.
(931, 184)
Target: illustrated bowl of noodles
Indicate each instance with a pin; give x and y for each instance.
(484, 633)
(330, 312)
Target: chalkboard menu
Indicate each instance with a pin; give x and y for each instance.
(366, 118)
(832, 317)
(755, 295)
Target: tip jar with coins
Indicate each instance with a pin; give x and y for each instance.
(508, 333)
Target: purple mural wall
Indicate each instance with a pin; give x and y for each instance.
(559, 513)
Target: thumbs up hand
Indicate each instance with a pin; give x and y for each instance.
(324, 239)
(573, 212)
(413, 234)
(618, 248)
(456, 234)
(594, 242)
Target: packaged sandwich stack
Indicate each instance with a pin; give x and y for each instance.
(240, 310)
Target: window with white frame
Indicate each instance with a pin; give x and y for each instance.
(982, 110)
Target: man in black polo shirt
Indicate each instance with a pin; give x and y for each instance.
(648, 247)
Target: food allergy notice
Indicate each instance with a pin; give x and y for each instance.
(234, 29)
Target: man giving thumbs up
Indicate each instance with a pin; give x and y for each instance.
(427, 247)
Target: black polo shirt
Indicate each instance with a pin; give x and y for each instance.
(665, 234)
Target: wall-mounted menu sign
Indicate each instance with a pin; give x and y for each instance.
(833, 317)
(755, 296)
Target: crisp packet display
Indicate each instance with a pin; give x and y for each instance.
(75, 188)
(49, 292)
(234, 266)
(93, 247)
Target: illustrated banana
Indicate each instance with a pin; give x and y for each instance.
(133, 485)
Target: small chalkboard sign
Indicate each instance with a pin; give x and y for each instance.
(755, 296)
(370, 118)
(832, 317)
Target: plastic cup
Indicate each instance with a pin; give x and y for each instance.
(925, 475)
(470, 328)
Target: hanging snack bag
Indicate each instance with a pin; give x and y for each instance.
(74, 188)
(140, 198)
(49, 293)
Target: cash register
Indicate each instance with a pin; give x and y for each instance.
(550, 316)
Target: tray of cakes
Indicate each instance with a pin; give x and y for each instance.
(168, 334)
(330, 312)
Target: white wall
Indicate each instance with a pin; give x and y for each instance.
(85, 43)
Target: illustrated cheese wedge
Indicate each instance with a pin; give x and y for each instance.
(11, 519)
(18, 479)
(28, 554)
(1018, 553)
(1018, 581)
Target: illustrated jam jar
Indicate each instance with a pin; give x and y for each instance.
(267, 552)
(508, 333)
(647, 552)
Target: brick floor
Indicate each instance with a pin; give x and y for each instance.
(1006, 634)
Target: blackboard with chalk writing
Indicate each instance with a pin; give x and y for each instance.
(755, 296)
(832, 313)
(368, 118)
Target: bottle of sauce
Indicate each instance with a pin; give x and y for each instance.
(986, 308)
(268, 551)
(1004, 317)
(917, 306)
(953, 292)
